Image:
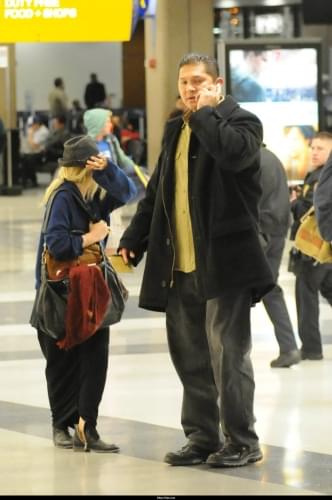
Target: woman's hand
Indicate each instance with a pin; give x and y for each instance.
(98, 162)
(98, 232)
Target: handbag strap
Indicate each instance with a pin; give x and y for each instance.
(77, 198)
(311, 211)
(48, 210)
(80, 201)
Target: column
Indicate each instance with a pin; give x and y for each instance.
(8, 115)
(180, 26)
(8, 86)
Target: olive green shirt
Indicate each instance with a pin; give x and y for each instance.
(184, 243)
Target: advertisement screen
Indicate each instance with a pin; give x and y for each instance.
(65, 20)
(281, 85)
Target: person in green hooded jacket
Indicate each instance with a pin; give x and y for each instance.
(99, 126)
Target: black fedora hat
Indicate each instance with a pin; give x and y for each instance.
(77, 150)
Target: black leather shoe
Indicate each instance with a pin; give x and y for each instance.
(62, 438)
(189, 454)
(286, 359)
(311, 355)
(234, 456)
(89, 439)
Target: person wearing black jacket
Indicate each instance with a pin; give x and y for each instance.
(54, 144)
(323, 201)
(205, 266)
(274, 219)
(95, 93)
(311, 277)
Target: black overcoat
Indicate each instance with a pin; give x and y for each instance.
(224, 190)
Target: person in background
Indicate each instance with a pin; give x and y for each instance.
(205, 266)
(58, 99)
(33, 149)
(76, 377)
(59, 134)
(311, 277)
(128, 133)
(116, 120)
(95, 93)
(76, 118)
(323, 201)
(274, 220)
(99, 126)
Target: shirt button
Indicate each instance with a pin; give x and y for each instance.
(168, 242)
(163, 284)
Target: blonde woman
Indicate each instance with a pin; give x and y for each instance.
(76, 377)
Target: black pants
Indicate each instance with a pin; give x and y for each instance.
(75, 378)
(29, 163)
(310, 280)
(274, 301)
(210, 346)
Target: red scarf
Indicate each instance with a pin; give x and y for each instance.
(88, 300)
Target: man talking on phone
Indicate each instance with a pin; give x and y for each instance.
(205, 266)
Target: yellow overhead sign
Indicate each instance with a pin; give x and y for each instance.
(65, 20)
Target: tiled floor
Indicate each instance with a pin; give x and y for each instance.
(140, 410)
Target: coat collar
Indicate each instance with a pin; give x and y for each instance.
(173, 126)
(227, 106)
(172, 130)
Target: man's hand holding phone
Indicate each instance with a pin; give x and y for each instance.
(209, 96)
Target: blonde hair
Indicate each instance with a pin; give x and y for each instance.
(83, 179)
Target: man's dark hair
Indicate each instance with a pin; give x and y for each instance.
(210, 63)
(41, 119)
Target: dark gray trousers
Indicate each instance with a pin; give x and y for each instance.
(310, 280)
(274, 301)
(210, 344)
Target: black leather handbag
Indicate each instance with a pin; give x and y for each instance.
(49, 308)
(119, 293)
(50, 304)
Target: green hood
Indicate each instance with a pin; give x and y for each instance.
(94, 120)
